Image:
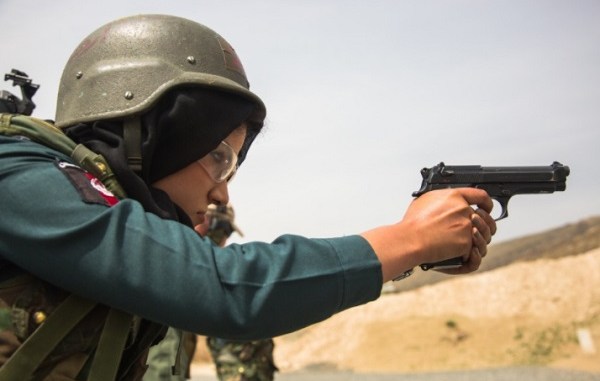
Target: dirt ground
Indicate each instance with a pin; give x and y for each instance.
(522, 314)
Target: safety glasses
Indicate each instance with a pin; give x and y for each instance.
(220, 163)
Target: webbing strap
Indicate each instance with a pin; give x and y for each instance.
(37, 130)
(110, 347)
(5, 120)
(97, 165)
(132, 135)
(47, 134)
(176, 368)
(151, 332)
(25, 360)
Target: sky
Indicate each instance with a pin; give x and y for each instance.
(361, 95)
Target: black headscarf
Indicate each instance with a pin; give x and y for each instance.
(185, 125)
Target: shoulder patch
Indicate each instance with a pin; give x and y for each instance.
(90, 189)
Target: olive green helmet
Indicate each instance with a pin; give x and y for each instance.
(122, 68)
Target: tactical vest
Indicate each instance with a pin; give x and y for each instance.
(49, 334)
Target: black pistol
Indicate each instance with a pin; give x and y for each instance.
(501, 183)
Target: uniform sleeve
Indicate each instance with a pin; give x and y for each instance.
(123, 257)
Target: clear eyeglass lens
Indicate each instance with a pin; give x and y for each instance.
(220, 163)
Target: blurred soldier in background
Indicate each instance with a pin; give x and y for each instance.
(234, 360)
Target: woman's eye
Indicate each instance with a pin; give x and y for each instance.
(217, 156)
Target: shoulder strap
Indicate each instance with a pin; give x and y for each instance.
(25, 360)
(23, 363)
(110, 347)
(49, 135)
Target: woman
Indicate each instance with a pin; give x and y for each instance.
(166, 103)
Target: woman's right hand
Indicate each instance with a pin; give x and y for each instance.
(438, 225)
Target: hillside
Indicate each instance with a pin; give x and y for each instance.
(524, 313)
(568, 240)
(524, 308)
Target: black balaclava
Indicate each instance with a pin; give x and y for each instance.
(185, 125)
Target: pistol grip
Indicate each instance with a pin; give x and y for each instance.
(445, 264)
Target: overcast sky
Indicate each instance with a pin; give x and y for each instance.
(362, 94)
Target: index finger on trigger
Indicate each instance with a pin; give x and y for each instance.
(477, 197)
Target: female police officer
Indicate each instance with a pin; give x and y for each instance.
(89, 281)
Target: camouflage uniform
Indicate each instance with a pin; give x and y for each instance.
(171, 358)
(242, 361)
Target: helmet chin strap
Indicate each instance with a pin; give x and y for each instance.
(132, 135)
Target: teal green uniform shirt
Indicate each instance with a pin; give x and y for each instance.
(162, 270)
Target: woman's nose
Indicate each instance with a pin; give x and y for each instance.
(219, 194)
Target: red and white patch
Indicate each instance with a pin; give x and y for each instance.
(90, 189)
(105, 193)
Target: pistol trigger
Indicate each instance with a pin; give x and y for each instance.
(503, 201)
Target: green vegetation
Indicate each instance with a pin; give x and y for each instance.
(546, 345)
(541, 347)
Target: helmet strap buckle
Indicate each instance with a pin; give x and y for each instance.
(132, 135)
